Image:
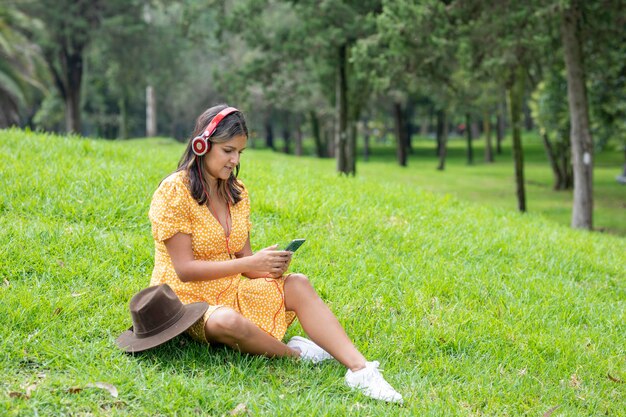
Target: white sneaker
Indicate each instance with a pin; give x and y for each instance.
(370, 382)
(309, 351)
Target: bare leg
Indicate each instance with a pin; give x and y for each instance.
(319, 323)
(227, 326)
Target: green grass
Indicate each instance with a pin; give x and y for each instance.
(494, 183)
(471, 309)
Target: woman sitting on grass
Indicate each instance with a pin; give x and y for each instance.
(200, 223)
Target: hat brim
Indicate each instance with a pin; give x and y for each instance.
(130, 343)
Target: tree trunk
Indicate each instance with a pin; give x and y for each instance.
(528, 118)
(72, 112)
(516, 98)
(499, 133)
(73, 71)
(151, 120)
(122, 131)
(580, 136)
(401, 146)
(475, 130)
(487, 130)
(341, 111)
(468, 135)
(67, 76)
(320, 146)
(408, 128)
(501, 125)
(298, 150)
(329, 135)
(564, 160)
(424, 126)
(442, 131)
(441, 121)
(351, 154)
(269, 133)
(286, 140)
(559, 179)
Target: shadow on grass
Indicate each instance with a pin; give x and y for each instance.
(184, 355)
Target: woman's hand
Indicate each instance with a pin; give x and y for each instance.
(286, 266)
(271, 261)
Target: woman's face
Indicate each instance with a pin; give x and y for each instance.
(224, 157)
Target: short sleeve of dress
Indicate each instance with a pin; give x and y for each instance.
(169, 211)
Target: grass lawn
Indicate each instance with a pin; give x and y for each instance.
(472, 309)
(494, 183)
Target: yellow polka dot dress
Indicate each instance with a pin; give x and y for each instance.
(174, 210)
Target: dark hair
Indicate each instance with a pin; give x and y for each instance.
(232, 125)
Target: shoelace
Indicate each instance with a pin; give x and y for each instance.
(376, 373)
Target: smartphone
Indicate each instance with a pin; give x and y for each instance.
(294, 245)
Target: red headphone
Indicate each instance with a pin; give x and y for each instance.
(201, 144)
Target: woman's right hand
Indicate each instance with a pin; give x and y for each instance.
(270, 260)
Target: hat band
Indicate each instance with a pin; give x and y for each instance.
(163, 326)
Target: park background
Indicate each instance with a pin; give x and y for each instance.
(427, 150)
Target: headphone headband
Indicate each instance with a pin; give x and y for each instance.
(201, 144)
(210, 129)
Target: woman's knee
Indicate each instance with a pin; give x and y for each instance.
(298, 290)
(299, 281)
(225, 323)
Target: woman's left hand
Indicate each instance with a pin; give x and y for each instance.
(277, 275)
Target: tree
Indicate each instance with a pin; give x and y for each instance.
(582, 142)
(410, 53)
(551, 115)
(116, 70)
(336, 26)
(274, 71)
(402, 134)
(442, 138)
(22, 68)
(593, 37)
(66, 31)
(516, 99)
(283, 35)
(503, 49)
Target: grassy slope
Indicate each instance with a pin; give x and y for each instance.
(494, 184)
(471, 310)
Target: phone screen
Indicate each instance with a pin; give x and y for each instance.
(294, 245)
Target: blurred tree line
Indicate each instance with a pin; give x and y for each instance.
(331, 70)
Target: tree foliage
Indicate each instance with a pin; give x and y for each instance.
(328, 69)
(23, 77)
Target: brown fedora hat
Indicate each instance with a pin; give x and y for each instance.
(158, 316)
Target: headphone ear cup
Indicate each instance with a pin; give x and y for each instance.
(200, 146)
